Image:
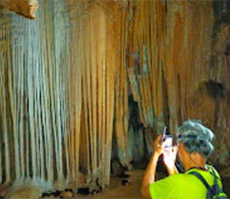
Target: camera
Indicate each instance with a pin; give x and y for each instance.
(167, 139)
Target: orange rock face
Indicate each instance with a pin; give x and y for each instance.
(26, 8)
(180, 63)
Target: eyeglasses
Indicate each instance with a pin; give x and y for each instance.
(187, 136)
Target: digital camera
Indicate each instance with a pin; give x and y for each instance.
(167, 139)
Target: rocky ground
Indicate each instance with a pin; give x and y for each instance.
(127, 186)
(120, 187)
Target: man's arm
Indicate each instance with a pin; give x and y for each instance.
(149, 176)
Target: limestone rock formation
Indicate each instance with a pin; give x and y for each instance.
(4, 188)
(29, 191)
(66, 194)
(26, 8)
(87, 74)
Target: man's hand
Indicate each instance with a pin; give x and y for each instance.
(158, 148)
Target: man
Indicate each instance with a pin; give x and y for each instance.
(193, 147)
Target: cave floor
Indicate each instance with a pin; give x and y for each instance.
(122, 187)
(130, 187)
(125, 187)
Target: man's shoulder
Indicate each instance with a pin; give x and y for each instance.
(178, 178)
(177, 186)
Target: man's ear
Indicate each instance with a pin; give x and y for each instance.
(182, 147)
(180, 144)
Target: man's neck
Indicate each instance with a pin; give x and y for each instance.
(195, 160)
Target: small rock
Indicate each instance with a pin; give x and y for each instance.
(52, 196)
(83, 191)
(125, 182)
(66, 194)
(75, 195)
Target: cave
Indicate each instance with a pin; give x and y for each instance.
(86, 86)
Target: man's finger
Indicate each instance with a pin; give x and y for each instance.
(175, 148)
(158, 138)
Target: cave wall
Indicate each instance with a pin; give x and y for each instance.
(66, 79)
(178, 67)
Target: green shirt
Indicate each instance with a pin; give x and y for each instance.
(182, 186)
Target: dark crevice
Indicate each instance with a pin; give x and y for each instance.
(165, 98)
(226, 185)
(225, 17)
(83, 191)
(125, 182)
(55, 194)
(215, 89)
(227, 48)
(221, 9)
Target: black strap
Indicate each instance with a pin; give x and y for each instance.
(213, 173)
(201, 178)
(214, 191)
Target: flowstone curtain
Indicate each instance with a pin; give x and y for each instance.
(57, 95)
(35, 117)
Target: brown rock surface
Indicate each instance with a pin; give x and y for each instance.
(26, 8)
(66, 194)
(225, 172)
(29, 191)
(4, 190)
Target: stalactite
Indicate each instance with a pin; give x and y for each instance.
(98, 101)
(52, 97)
(5, 43)
(31, 77)
(121, 86)
(141, 65)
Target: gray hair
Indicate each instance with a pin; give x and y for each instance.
(196, 138)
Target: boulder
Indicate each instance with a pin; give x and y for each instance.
(66, 194)
(26, 8)
(29, 191)
(3, 190)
